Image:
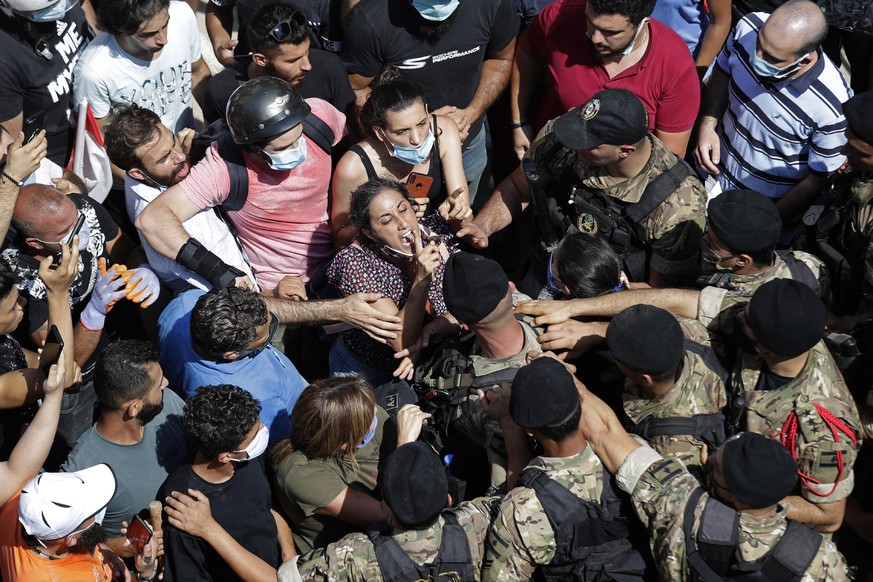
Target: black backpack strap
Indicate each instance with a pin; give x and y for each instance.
(236, 169)
(365, 159)
(318, 132)
(394, 563)
(709, 357)
(800, 271)
(793, 554)
(707, 427)
(454, 560)
(695, 560)
(658, 191)
(717, 536)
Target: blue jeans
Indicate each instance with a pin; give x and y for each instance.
(475, 156)
(77, 416)
(343, 363)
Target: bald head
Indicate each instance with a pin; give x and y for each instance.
(38, 204)
(797, 27)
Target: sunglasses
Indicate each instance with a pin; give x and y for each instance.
(283, 30)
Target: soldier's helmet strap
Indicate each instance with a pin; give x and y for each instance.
(788, 437)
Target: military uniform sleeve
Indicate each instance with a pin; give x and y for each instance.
(521, 538)
(350, 559)
(827, 458)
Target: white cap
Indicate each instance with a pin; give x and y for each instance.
(54, 505)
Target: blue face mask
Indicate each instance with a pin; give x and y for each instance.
(290, 158)
(411, 155)
(435, 10)
(50, 13)
(767, 70)
(369, 436)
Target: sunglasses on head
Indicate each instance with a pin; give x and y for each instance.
(283, 29)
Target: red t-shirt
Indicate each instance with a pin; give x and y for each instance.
(665, 79)
(18, 563)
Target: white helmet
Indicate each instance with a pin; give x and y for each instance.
(27, 7)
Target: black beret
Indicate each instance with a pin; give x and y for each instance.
(646, 339)
(787, 317)
(858, 111)
(758, 470)
(745, 221)
(543, 395)
(414, 484)
(473, 286)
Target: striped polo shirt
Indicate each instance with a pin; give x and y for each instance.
(774, 133)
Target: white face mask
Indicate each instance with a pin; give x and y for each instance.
(257, 447)
(631, 46)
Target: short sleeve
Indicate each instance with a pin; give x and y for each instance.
(355, 270)
(362, 52)
(208, 183)
(11, 91)
(679, 104)
(504, 28)
(88, 82)
(333, 117)
(511, 554)
(312, 485)
(826, 143)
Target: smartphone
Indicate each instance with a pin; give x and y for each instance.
(51, 350)
(33, 125)
(69, 240)
(418, 185)
(138, 531)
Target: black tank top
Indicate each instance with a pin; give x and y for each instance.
(437, 193)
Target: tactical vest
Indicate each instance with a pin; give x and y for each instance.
(713, 556)
(579, 208)
(592, 540)
(453, 563)
(709, 428)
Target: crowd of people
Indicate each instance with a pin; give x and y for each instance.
(436, 289)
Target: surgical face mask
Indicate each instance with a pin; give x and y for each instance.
(257, 447)
(55, 247)
(631, 46)
(290, 158)
(435, 10)
(713, 259)
(50, 13)
(414, 155)
(767, 70)
(369, 436)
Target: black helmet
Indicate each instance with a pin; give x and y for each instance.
(263, 108)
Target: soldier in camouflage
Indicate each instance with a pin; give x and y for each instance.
(597, 162)
(672, 373)
(545, 401)
(747, 477)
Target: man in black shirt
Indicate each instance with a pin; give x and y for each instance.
(279, 36)
(461, 53)
(41, 45)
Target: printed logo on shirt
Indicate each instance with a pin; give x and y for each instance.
(168, 86)
(421, 62)
(69, 47)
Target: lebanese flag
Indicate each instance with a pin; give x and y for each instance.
(89, 160)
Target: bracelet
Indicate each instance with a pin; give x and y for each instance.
(518, 125)
(8, 177)
(141, 578)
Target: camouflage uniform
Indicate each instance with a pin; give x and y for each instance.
(521, 537)
(673, 230)
(354, 558)
(660, 489)
(747, 284)
(698, 390)
(821, 383)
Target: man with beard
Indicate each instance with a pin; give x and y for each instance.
(139, 433)
(154, 159)
(280, 38)
(460, 52)
(57, 539)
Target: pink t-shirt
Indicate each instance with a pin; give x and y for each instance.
(665, 79)
(284, 225)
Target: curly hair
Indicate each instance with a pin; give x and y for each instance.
(124, 17)
(330, 419)
(267, 18)
(128, 128)
(391, 93)
(227, 319)
(121, 372)
(7, 280)
(218, 418)
(359, 208)
(634, 10)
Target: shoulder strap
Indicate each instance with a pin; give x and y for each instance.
(709, 357)
(717, 535)
(695, 560)
(800, 271)
(454, 560)
(659, 190)
(394, 564)
(365, 159)
(793, 554)
(236, 169)
(319, 132)
(436, 138)
(707, 427)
